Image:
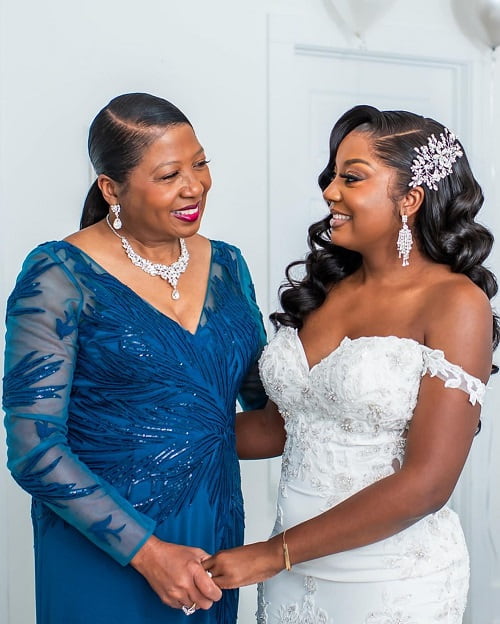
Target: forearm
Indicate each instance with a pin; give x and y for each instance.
(383, 509)
(431, 467)
(260, 433)
(55, 476)
(375, 513)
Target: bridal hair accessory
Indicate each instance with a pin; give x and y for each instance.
(115, 209)
(189, 610)
(435, 160)
(169, 272)
(405, 241)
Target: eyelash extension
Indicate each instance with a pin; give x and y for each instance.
(349, 178)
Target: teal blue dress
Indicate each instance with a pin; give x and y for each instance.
(120, 424)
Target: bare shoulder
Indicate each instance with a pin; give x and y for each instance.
(454, 296)
(458, 319)
(88, 238)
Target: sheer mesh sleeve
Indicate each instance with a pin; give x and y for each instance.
(252, 394)
(41, 351)
(453, 376)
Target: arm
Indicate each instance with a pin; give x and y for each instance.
(438, 442)
(41, 352)
(260, 429)
(260, 433)
(251, 395)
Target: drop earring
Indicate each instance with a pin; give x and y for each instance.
(115, 209)
(405, 241)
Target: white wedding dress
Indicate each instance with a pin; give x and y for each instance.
(345, 421)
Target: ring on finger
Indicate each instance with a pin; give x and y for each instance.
(189, 610)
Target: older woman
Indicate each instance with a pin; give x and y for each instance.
(128, 344)
(378, 369)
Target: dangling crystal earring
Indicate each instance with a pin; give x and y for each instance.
(405, 241)
(115, 209)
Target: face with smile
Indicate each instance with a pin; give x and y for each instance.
(164, 196)
(364, 215)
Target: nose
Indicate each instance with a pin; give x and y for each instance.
(331, 194)
(192, 184)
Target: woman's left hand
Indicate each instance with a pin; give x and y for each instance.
(246, 565)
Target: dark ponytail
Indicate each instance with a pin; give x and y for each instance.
(95, 207)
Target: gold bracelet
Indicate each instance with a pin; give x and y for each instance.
(286, 555)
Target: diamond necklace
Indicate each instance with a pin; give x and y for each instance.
(169, 272)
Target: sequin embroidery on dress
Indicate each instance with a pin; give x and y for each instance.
(120, 423)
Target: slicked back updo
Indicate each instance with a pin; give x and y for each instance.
(118, 138)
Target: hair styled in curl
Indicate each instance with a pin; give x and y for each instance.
(444, 225)
(118, 137)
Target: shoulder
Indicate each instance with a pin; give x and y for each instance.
(458, 321)
(45, 275)
(228, 254)
(44, 253)
(91, 240)
(223, 247)
(456, 298)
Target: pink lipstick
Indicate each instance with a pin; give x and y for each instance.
(188, 214)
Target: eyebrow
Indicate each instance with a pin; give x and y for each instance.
(353, 161)
(176, 162)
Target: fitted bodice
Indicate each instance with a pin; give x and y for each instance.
(346, 416)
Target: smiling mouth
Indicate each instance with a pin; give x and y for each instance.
(338, 219)
(190, 213)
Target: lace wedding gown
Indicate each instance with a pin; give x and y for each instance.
(345, 421)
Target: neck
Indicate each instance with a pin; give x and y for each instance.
(164, 252)
(389, 270)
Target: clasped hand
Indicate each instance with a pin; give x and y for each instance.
(176, 574)
(246, 565)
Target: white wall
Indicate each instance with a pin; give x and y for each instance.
(61, 61)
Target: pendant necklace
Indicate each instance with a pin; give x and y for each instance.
(169, 272)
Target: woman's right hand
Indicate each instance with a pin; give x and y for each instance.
(175, 573)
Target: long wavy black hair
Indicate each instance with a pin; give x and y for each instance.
(118, 138)
(445, 224)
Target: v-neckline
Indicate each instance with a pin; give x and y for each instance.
(145, 301)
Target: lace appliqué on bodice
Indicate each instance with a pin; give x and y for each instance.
(346, 420)
(346, 416)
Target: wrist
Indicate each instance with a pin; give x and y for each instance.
(279, 561)
(140, 557)
(286, 553)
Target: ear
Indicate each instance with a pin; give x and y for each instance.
(412, 201)
(108, 188)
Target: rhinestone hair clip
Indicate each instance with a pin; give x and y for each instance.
(435, 160)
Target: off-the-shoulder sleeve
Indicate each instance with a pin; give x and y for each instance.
(252, 394)
(436, 365)
(41, 351)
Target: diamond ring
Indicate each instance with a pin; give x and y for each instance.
(189, 610)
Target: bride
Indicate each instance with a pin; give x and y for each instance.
(376, 378)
